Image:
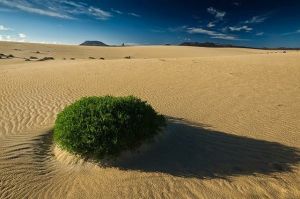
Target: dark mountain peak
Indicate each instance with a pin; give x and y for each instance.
(93, 43)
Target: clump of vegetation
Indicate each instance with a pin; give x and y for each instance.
(101, 127)
(3, 56)
(10, 56)
(72, 58)
(91, 57)
(32, 57)
(102, 58)
(46, 59)
(127, 57)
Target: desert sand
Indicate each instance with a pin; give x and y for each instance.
(233, 127)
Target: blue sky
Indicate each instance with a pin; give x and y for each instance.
(259, 23)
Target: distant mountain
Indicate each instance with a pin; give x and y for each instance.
(214, 45)
(207, 44)
(93, 43)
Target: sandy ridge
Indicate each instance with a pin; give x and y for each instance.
(241, 106)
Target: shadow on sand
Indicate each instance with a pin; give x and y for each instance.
(192, 150)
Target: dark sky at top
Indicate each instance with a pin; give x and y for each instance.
(242, 22)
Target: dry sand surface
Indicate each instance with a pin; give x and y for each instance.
(233, 129)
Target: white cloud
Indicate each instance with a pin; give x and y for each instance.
(117, 11)
(256, 19)
(99, 14)
(291, 33)
(64, 9)
(71, 3)
(213, 34)
(218, 14)
(178, 29)
(225, 37)
(211, 24)
(130, 13)
(6, 38)
(134, 14)
(4, 28)
(27, 7)
(260, 33)
(22, 35)
(238, 29)
(201, 31)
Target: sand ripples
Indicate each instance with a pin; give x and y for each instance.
(31, 166)
(219, 160)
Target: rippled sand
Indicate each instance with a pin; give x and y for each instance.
(233, 127)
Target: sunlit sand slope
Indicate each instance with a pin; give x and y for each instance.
(233, 122)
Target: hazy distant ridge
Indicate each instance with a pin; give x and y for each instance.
(215, 45)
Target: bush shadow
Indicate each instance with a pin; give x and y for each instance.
(193, 150)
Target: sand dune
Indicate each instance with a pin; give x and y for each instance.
(233, 128)
(25, 50)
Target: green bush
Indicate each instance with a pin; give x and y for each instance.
(105, 126)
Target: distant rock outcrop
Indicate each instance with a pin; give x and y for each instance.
(206, 44)
(93, 43)
(215, 45)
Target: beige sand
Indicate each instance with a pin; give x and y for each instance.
(234, 122)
